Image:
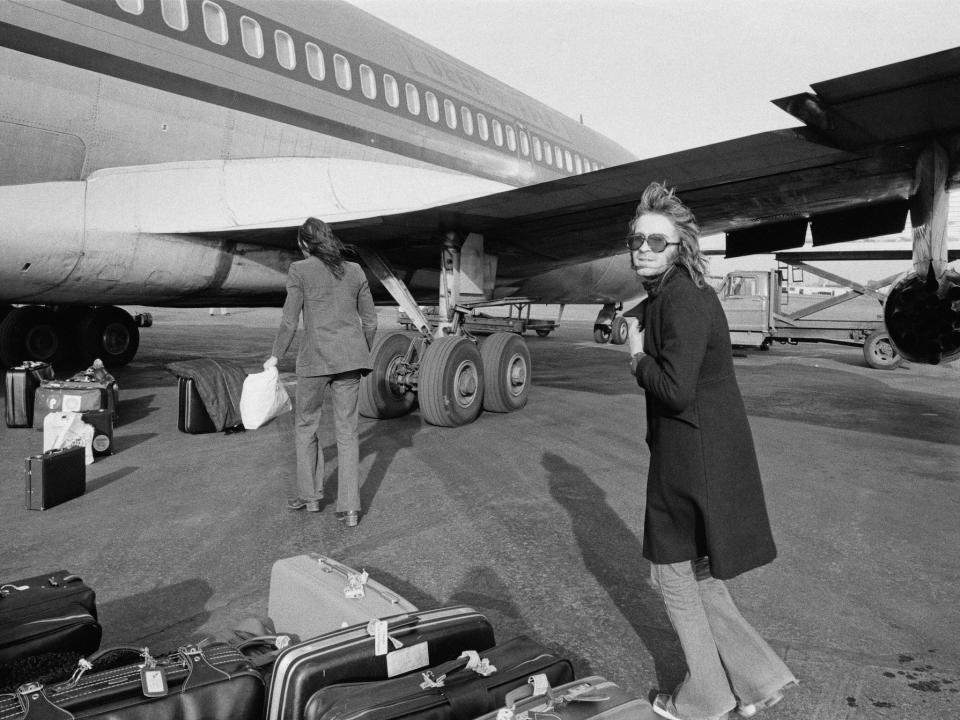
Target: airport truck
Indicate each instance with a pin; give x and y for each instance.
(760, 312)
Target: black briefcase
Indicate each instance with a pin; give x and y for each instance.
(55, 612)
(53, 477)
(193, 417)
(22, 382)
(211, 682)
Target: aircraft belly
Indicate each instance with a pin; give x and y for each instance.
(608, 279)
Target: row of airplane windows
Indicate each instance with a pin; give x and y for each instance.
(472, 124)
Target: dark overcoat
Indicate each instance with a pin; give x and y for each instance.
(704, 495)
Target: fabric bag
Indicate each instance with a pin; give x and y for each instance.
(263, 398)
(67, 429)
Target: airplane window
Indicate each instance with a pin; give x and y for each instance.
(537, 149)
(215, 23)
(315, 64)
(466, 119)
(174, 13)
(341, 69)
(511, 138)
(577, 164)
(497, 132)
(524, 144)
(433, 106)
(286, 53)
(368, 83)
(450, 114)
(568, 158)
(134, 7)
(558, 158)
(251, 36)
(413, 99)
(391, 91)
(482, 128)
(547, 153)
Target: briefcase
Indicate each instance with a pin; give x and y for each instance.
(462, 689)
(21, 384)
(370, 651)
(589, 698)
(55, 612)
(213, 682)
(193, 417)
(53, 477)
(313, 594)
(73, 396)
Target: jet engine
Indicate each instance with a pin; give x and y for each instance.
(922, 316)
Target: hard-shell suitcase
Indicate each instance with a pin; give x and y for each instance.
(72, 396)
(102, 422)
(193, 417)
(56, 612)
(462, 689)
(21, 384)
(313, 594)
(214, 682)
(589, 698)
(402, 644)
(53, 477)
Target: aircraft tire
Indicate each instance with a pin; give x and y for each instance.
(381, 396)
(451, 382)
(879, 352)
(506, 372)
(601, 334)
(618, 330)
(107, 333)
(29, 333)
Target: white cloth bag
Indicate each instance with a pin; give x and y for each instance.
(263, 398)
(66, 429)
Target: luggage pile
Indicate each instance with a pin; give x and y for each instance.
(337, 645)
(76, 417)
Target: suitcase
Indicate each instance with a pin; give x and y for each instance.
(589, 698)
(22, 383)
(56, 612)
(73, 396)
(312, 594)
(414, 641)
(102, 422)
(53, 477)
(193, 417)
(462, 689)
(215, 682)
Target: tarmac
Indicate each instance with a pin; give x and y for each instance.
(535, 517)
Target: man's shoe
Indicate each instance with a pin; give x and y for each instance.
(298, 503)
(350, 519)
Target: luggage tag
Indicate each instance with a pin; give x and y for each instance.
(153, 679)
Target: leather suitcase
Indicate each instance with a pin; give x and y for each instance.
(589, 698)
(193, 417)
(53, 477)
(56, 612)
(462, 689)
(21, 386)
(102, 422)
(413, 642)
(215, 682)
(312, 594)
(72, 396)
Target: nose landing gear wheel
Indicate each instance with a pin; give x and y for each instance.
(451, 382)
(601, 334)
(618, 331)
(506, 372)
(383, 394)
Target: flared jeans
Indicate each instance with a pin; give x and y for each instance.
(728, 663)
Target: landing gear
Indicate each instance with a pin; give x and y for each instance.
(451, 382)
(609, 327)
(30, 333)
(108, 333)
(618, 330)
(386, 392)
(506, 372)
(879, 351)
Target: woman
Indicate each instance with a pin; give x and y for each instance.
(706, 520)
(339, 325)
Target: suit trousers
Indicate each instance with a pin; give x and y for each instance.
(728, 662)
(311, 389)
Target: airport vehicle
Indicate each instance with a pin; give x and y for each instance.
(760, 312)
(479, 320)
(164, 154)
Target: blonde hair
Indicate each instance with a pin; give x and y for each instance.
(657, 199)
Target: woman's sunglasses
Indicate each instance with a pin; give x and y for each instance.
(655, 241)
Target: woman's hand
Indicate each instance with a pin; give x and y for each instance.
(270, 362)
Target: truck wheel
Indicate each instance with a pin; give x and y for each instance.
(542, 332)
(506, 372)
(618, 331)
(879, 351)
(451, 382)
(382, 394)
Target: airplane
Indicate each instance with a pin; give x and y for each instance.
(164, 153)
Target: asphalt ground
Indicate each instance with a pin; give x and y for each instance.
(535, 517)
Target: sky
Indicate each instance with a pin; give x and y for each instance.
(666, 75)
